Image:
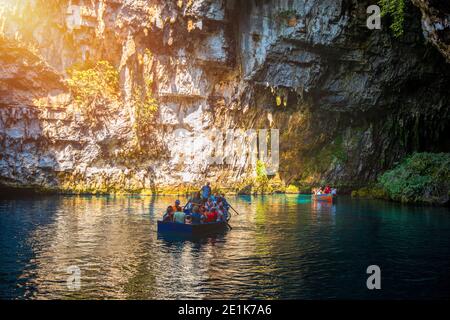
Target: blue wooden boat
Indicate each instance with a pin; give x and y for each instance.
(191, 229)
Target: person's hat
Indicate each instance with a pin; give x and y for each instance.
(177, 202)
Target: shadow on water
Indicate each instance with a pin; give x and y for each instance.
(16, 238)
(177, 239)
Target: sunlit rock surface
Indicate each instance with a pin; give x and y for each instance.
(349, 102)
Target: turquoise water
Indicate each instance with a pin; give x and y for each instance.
(280, 247)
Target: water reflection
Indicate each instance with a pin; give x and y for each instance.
(281, 246)
(99, 235)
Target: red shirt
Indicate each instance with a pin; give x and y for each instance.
(211, 216)
(327, 190)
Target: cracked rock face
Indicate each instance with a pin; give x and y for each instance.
(348, 102)
(436, 24)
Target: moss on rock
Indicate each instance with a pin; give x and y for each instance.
(420, 178)
(370, 192)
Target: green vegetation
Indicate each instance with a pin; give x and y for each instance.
(145, 144)
(288, 17)
(119, 184)
(93, 85)
(286, 14)
(292, 189)
(321, 161)
(421, 178)
(261, 176)
(396, 10)
(261, 184)
(372, 192)
(146, 107)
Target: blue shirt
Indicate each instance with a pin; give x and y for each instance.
(225, 203)
(197, 217)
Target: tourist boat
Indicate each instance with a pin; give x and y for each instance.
(191, 229)
(324, 197)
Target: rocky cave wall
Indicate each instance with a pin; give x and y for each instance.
(349, 102)
(436, 23)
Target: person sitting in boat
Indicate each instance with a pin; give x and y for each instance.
(334, 191)
(193, 201)
(177, 206)
(211, 216)
(209, 204)
(223, 213)
(196, 216)
(220, 215)
(168, 216)
(218, 201)
(327, 190)
(196, 200)
(188, 207)
(206, 191)
(179, 217)
(224, 201)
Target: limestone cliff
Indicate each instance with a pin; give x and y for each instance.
(349, 102)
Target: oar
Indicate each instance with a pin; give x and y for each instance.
(233, 209)
(228, 225)
(187, 203)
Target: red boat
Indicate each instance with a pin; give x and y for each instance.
(324, 197)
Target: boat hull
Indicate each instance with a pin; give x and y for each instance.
(324, 197)
(191, 229)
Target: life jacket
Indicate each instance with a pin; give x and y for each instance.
(176, 208)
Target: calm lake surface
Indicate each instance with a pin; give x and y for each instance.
(281, 247)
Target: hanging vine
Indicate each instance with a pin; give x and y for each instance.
(396, 10)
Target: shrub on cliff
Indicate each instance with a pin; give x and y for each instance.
(145, 106)
(262, 180)
(93, 86)
(421, 178)
(145, 144)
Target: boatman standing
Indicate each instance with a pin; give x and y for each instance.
(206, 191)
